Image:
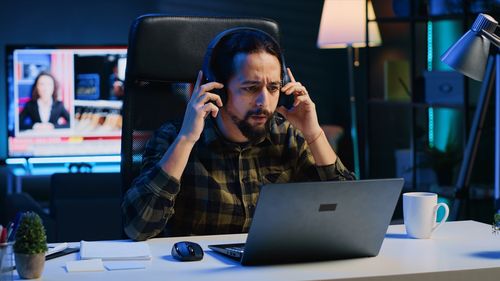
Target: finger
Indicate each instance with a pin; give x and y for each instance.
(288, 86)
(208, 96)
(297, 89)
(292, 84)
(301, 99)
(210, 108)
(210, 86)
(198, 80)
(290, 74)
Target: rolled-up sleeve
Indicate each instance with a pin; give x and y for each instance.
(149, 202)
(336, 171)
(308, 170)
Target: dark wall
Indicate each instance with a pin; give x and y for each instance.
(323, 72)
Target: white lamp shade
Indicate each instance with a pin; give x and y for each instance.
(343, 23)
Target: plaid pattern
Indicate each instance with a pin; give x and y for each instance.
(220, 185)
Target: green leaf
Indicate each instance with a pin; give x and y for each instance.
(30, 235)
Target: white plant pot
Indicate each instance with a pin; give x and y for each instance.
(30, 266)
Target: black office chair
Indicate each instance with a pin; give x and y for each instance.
(86, 206)
(164, 56)
(83, 206)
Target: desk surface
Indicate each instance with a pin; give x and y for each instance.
(464, 250)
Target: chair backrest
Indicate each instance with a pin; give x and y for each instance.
(164, 56)
(86, 206)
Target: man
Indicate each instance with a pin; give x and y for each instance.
(204, 176)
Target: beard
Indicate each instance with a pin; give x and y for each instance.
(253, 133)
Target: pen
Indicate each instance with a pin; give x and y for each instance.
(13, 227)
(9, 231)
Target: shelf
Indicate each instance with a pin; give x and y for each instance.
(426, 105)
(389, 103)
(400, 133)
(396, 19)
(476, 191)
(409, 19)
(413, 104)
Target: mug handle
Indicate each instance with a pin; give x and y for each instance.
(446, 213)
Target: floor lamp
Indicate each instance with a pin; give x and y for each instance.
(476, 54)
(343, 25)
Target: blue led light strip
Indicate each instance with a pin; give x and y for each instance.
(430, 57)
(48, 160)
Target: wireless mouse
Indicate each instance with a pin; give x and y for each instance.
(187, 251)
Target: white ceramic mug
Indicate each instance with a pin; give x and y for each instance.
(419, 211)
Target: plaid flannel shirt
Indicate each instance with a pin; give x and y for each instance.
(218, 190)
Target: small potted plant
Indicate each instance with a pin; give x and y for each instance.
(496, 224)
(30, 246)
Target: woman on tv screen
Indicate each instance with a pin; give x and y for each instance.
(44, 111)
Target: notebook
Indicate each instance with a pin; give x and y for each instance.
(114, 250)
(297, 222)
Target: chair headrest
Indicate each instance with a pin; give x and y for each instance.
(171, 48)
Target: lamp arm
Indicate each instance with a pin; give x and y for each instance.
(492, 37)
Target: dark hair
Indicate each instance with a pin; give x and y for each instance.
(34, 92)
(246, 42)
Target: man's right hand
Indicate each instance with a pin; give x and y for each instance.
(201, 104)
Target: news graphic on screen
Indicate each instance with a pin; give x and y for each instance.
(65, 101)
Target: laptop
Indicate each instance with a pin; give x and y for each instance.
(313, 221)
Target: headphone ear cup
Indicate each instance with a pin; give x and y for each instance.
(285, 100)
(286, 78)
(222, 94)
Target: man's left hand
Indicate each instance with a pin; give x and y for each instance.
(303, 113)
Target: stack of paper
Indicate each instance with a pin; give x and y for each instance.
(84, 266)
(114, 250)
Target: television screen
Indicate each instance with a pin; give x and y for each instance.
(64, 101)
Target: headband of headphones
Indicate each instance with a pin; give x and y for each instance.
(207, 60)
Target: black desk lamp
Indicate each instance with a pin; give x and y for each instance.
(469, 55)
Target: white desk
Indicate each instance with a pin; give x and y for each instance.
(465, 250)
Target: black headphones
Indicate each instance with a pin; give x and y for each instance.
(207, 61)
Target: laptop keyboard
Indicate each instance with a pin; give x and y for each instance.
(236, 249)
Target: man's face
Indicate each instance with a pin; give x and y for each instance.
(253, 92)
